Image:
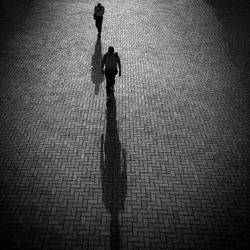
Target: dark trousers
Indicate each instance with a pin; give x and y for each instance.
(110, 80)
(98, 23)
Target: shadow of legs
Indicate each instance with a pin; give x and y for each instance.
(114, 231)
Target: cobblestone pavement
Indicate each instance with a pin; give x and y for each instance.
(164, 165)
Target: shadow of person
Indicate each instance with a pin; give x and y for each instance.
(113, 174)
(96, 72)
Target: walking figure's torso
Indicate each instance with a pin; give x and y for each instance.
(110, 61)
(99, 11)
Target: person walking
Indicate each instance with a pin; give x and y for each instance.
(110, 61)
(98, 16)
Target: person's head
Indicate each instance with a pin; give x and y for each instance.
(111, 50)
(99, 5)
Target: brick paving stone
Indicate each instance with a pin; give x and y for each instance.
(165, 165)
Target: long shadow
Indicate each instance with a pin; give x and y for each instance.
(96, 74)
(113, 174)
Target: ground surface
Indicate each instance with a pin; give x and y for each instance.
(164, 165)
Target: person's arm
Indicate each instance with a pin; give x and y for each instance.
(119, 65)
(102, 11)
(94, 15)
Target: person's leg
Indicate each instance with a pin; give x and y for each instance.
(100, 25)
(108, 89)
(108, 76)
(112, 80)
(97, 23)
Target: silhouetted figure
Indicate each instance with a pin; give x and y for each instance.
(110, 61)
(113, 174)
(98, 16)
(96, 73)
